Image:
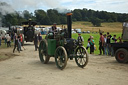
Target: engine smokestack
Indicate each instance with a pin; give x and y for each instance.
(69, 24)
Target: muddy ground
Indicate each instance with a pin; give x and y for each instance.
(25, 68)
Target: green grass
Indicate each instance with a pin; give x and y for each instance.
(96, 39)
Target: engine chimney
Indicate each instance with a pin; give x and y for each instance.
(69, 24)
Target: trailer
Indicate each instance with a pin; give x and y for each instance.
(121, 49)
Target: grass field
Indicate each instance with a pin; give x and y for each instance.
(96, 39)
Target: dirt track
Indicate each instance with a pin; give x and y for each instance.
(26, 69)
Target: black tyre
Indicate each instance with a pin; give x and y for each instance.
(81, 57)
(121, 55)
(61, 57)
(43, 52)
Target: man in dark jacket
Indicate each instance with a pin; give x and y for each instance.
(36, 42)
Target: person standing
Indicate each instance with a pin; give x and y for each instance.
(101, 44)
(21, 41)
(80, 39)
(108, 43)
(36, 42)
(39, 37)
(114, 40)
(8, 40)
(91, 45)
(105, 44)
(16, 43)
(5, 39)
(88, 45)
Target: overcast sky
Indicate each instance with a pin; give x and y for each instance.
(119, 6)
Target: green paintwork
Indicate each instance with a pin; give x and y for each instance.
(51, 46)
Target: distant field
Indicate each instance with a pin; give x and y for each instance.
(87, 26)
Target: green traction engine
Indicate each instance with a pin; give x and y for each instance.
(62, 47)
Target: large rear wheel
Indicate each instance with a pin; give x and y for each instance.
(81, 57)
(121, 55)
(43, 52)
(61, 57)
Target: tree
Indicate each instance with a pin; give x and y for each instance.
(46, 21)
(40, 15)
(63, 19)
(77, 15)
(53, 15)
(96, 22)
(27, 15)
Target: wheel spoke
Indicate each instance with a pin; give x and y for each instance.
(84, 60)
(81, 57)
(61, 57)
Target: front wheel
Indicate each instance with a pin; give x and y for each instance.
(121, 55)
(61, 57)
(81, 57)
(43, 52)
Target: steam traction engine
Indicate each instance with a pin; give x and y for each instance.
(29, 30)
(61, 46)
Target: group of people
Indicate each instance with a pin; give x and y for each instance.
(7, 40)
(105, 41)
(17, 39)
(18, 42)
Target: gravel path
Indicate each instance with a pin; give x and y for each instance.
(26, 69)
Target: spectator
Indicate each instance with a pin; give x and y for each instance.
(101, 44)
(21, 41)
(108, 43)
(8, 40)
(114, 40)
(91, 45)
(36, 42)
(120, 40)
(88, 43)
(16, 43)
(39, 37)
(105, 44)
(80, 40)
(5, 39)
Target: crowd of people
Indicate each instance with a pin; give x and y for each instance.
(17, 39)
(7, 40)
(105, 41)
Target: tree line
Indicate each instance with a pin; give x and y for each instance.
(53, 16)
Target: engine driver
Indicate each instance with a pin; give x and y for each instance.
(54, 28)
